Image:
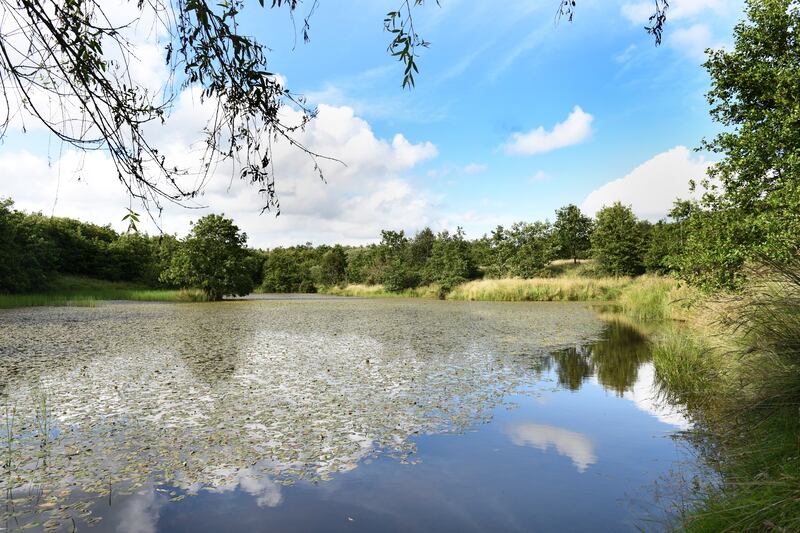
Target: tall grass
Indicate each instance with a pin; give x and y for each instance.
(648, 298)
(567, 268)
(378, 291)
(541, 289)
(744, 394)
(86, 292)
(685, 367)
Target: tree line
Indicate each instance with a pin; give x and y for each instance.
(215, 258)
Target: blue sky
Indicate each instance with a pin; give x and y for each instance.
(481, 143)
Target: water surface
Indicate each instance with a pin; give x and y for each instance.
(331, 414)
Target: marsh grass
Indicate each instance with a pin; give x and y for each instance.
(541, 289)
(86, 292)
(685, 366)
(567, 268)
(743, 391)
(378, 291)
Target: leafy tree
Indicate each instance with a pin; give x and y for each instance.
(293, 269)
(752, 203)
(531, 248)
(334, 266)
(660, 247)
(213, 258)
(450, 262)
(421, 247)
(130, 257)
(27, 256)
(617, 242)
(499, 253)
(522, 250)
(361, 265)
(162, 248)
(572, 231)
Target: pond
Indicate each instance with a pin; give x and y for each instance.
(327, 414)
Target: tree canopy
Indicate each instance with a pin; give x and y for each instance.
(751, 210)
(572, 231)
(213, 258)
(617, 241)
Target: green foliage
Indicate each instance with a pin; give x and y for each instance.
(751, 210)
(617, 241)
(334, 266)
(572, 232)
(212, 258)
(37, 247)
(661, 246)
(520, 251)
(361, 265)
(399, 276)
(451, 261)
(421, 247)
(718, 244)
(297, 268)
(27, 255)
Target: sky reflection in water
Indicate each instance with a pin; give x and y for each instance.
(390, 415)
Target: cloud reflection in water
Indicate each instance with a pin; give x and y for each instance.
(576, 446)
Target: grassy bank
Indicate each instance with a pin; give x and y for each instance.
(737, 369)
(644, 298)
(378, 291)
(541, 289)
(86, 292)
(503, 290)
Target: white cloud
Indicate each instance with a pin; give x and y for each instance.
(475, 168)
(640, 12)
(693, 40)
(139, 513)
(574, 130)
(651, 187)
(373, 191)
(540, 176)
(690, 23)
(577, 446)
(627, 54)
(637, 12)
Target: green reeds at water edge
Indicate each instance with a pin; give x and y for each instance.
(740, 383)
(85, 292)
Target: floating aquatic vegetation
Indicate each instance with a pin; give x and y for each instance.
(203, 397)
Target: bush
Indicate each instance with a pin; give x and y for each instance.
(617, 242)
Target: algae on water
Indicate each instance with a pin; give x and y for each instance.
(194, 397)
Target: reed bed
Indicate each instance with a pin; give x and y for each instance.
(541, 289)
(378, 291)
(84, 292)
(740, 383)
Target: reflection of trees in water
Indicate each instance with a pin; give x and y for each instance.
(574, 366)
(211, 353)
(614, 358)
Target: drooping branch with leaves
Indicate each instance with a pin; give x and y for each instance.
(66, 65)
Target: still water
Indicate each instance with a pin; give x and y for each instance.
(329, 414)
